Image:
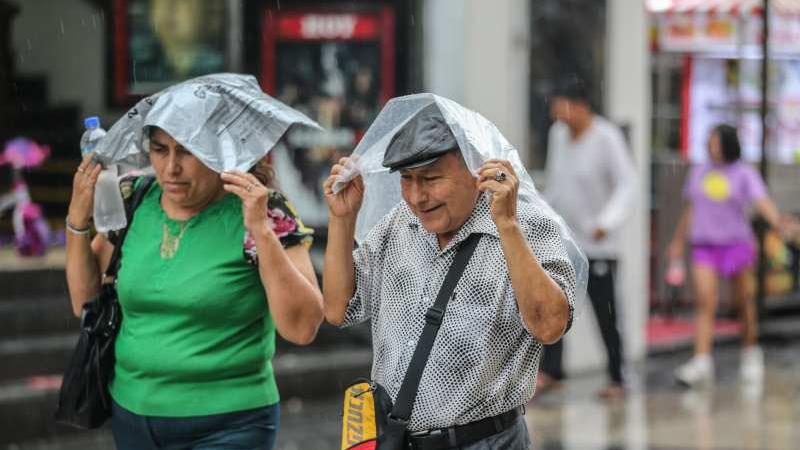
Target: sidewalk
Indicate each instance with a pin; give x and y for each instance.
(657, 415)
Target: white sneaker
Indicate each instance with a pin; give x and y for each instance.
(752, 364)
(698, 371)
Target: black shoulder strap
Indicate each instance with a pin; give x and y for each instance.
(130, 208)
(404, 403)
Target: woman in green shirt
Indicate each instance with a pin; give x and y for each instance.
(213, 264)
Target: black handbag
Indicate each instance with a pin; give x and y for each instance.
(388, 430)
(84, 400)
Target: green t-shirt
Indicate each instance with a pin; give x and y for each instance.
(197, 337)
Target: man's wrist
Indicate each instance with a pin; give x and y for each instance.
(507, 226)
(345, 221)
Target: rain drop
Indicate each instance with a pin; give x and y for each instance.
(61, 21)
(294, 405)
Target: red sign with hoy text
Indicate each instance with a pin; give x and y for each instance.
(328, 26)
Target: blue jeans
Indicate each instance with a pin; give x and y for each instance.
(253, 429)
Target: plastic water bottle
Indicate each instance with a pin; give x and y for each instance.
(92, 136)
(109, 209)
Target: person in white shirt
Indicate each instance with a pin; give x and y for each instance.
(591, 183)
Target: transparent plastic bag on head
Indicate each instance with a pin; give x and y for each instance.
(478, 139)
(225, 120)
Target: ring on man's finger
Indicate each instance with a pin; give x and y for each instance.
(249, 187)
(500, 176)
(81, 170)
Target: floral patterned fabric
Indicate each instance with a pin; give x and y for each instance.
(286, 224)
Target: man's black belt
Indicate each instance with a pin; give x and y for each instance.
(461, 435)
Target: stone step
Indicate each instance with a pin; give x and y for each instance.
(26, 283)
(27, 404)
(101, 439)
(26, 412)
(36, 316)
(33, 356)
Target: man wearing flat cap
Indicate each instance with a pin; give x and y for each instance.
(516, 293)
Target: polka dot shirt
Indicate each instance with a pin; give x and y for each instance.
(484, 360)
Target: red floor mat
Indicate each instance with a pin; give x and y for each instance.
(661, 331)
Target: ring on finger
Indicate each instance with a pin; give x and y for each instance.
(81, 170)
(249, 187)
(500, 176)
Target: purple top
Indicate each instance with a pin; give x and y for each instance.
(720, 196)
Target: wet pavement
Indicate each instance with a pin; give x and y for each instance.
(656, 414)
(659, 415)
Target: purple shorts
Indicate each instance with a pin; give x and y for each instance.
(727, 259)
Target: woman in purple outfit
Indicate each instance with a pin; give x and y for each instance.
(716, 221)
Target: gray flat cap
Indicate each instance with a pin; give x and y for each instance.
(421, 141)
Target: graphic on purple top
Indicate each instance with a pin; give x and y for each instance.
(721, 195)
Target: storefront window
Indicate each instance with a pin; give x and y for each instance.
(338, 68)
(666, 82)
(158, 43)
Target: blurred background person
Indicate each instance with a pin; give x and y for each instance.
(716, 223)
(590, 182)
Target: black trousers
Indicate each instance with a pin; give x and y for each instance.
(601, 292)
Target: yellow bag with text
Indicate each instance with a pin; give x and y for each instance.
(359, 427)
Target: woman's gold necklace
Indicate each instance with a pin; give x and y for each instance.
(170, 243)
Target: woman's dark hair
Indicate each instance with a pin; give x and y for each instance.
(728, 142)
(265, 173)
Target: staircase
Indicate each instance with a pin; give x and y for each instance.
(38, 332)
